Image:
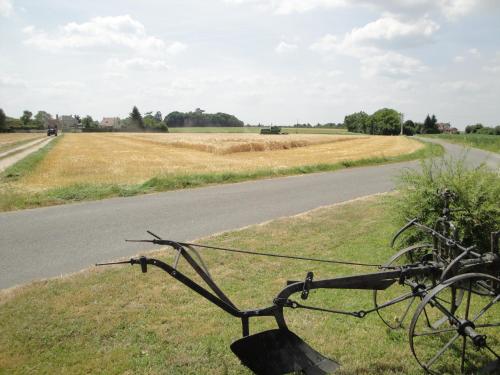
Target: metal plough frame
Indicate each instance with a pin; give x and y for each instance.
(447, 264)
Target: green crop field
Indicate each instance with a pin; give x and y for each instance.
(482, 141)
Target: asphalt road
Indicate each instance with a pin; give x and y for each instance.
(52, 241)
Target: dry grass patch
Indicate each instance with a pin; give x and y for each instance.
(223, 144)
(127, 159)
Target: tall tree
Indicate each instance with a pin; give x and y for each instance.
(26, 118)
(42, 119)
(3, 119)
(430, 125)
(136, 117)
(386, 121)
(88, 122)
(357, 122)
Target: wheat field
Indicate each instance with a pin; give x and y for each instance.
(134, 158)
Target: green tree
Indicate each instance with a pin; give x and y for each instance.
(430, 125)
(89, 123)
(473, 128)
(3, 122)
(136, 118)
(385, 121)
(26, 118)
(358, 122)
(409, 127)
(42, 119)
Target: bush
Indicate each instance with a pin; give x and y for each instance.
(477, 191)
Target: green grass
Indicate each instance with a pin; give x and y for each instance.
(482, 141)
(117, 320)
(12, 199)
(254, 129)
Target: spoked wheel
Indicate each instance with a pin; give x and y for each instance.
(465, 337)
(397, 302)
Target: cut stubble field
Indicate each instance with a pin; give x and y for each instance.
(135, 158)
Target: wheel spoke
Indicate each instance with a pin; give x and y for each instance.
(485, 308)
(493, 352)
(436, 332)
(462, 361)
(440, 353)
(467, 306)
(427, 319)
(406, 312)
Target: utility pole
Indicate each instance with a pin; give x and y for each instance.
(401, 119)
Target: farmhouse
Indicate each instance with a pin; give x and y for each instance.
(110, 122)
(445, 127)
(68, 121)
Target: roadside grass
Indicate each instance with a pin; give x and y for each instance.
(15, 199)
(116, 320)
(255, 129)
(482, 141)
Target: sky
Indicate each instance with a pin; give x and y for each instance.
(265, 61)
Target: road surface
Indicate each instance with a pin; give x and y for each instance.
(52, 241)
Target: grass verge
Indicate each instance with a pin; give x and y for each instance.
(482, 141)
(17, 199)
(117, 320)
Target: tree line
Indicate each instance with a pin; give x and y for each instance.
(135, 121)
(480, 129)
(387, 121)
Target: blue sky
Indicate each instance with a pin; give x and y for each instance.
(267, 61)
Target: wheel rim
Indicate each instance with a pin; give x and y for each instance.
(463, 338)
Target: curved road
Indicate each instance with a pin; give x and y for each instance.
(48, 242)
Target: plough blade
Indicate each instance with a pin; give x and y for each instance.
(280, 351)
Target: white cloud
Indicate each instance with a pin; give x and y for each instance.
(458, 59)
(494, 65)
(334, 73)
(138, 63)
(284, 47)
(11, 82)
(451, 9)
(176, 48)
(474, 52)
(390, 64)
(454, 9)
(102, 32)
(460, 86)
(28, 29)
(372, 44)
(389, 29)
(5, 8)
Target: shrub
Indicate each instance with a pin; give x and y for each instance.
(477, 191)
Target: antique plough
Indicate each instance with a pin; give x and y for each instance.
(451, 290)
